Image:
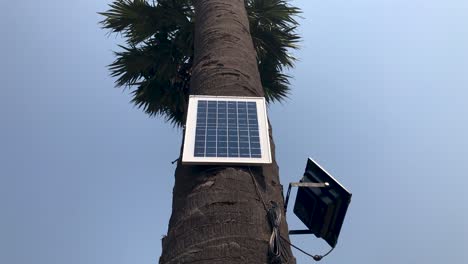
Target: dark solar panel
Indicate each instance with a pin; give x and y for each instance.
(227, 129)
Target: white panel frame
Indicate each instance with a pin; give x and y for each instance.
(190, 128)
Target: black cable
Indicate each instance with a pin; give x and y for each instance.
(315, 257)
(274, 215)
(258, 190)
(276, 250)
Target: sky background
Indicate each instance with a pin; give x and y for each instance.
(379, 99)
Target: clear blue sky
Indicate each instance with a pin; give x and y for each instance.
(380, 99)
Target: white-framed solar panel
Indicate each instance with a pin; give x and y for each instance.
(226, 130)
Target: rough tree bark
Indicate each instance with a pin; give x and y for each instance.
(217, 216)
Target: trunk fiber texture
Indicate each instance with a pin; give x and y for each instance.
(217, 215)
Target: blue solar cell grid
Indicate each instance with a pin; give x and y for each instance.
(227, 129)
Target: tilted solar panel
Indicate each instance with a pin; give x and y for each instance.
(226, 130)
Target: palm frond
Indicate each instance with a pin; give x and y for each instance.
(138, 20)
(273, 29)
(162, 98)
(272, 25)
(274, 82)
(160, 73)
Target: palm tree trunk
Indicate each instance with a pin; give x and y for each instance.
(217, 214)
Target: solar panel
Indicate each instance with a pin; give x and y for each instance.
(226, 130)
